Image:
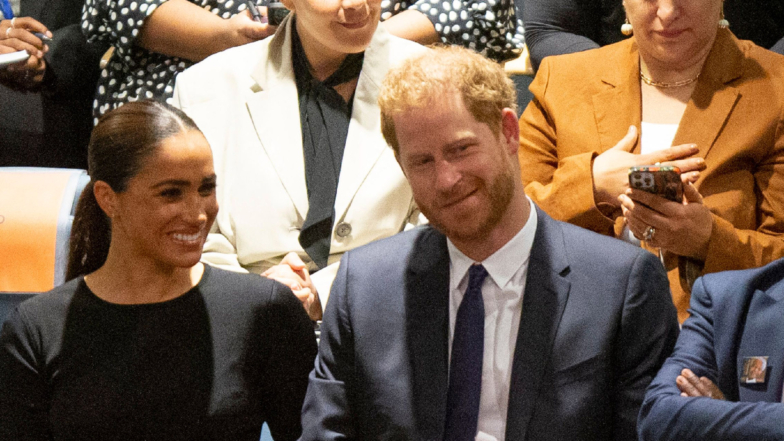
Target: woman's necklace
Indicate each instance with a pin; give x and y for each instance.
(663, 85)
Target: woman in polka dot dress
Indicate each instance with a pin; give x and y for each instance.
(490, 27)
(148, 58)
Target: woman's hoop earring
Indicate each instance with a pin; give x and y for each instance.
(626, 28)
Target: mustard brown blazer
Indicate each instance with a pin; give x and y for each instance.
(584, 104)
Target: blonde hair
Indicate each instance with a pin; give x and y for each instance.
(482, 84)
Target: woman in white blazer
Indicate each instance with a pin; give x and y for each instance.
(246, 102)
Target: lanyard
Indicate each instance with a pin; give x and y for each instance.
(5, 9)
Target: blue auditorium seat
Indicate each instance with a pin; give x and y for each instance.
(37, 206)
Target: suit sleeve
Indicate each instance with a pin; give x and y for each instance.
(562, 187)
(24, 401)
(754, 248)
(554, 27)
(326, 414)
(649, 328)
(291, 343)
(665, 415)
(778, 47)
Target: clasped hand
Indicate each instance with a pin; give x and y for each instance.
(17, 35)
(691, 385)
(292, 272)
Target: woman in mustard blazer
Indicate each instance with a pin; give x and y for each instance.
(681, 81)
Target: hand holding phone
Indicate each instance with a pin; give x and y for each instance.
(661, 180)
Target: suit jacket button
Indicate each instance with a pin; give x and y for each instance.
(343, 230)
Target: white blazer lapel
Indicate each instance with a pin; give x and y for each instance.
(274, 111)
(363, 148)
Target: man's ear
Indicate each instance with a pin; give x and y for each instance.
(106, 198)
(510, 128)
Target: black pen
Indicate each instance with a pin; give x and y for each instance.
(43, 37)
(254, 11)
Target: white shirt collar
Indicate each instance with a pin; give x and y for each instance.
(504, 263)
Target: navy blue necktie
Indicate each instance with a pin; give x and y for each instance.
(465, 369)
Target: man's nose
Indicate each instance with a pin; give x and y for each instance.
(447, 175)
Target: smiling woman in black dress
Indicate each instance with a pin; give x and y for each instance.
(146, 342)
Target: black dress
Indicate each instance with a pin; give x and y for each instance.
(212, 364)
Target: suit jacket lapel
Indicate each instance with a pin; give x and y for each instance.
(427, 328)
(713, 99)
(617, 105)
(546, 293)
(274, 110)
(364, 144)
(763, 336)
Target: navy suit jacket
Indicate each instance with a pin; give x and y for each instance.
(734, 314)
(597, 322)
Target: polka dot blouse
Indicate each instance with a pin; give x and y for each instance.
(487, 26)
(135, 73)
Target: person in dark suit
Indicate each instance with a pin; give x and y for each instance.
(735, 328)
(45, 105)
(496, 321)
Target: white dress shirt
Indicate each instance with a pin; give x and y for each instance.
(502, 293)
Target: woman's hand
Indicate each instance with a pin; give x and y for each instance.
(293, 273)
(683, 228)
(242, 29)
(611, 168)
(692, 386)
(179, 28)
(17, 35)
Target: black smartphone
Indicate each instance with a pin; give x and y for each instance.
(276, 12)
(662, 180)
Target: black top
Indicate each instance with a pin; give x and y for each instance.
(212, 364)
(554, 27)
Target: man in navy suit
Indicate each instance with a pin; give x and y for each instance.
(734, 340)
(495, 322)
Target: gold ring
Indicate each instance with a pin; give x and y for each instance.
(13, 20)
(649, 233)
(7, 31)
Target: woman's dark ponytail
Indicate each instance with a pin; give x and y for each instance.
(121, 142)
(91, 235)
